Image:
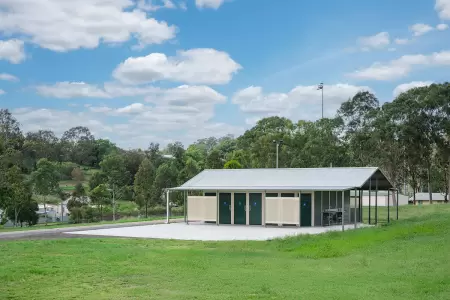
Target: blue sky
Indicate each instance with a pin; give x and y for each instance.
(170, 70)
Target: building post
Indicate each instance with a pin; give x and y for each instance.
(343, 210)
(376, 201)
(370, 198)
(360, 206)
(397, 204)
(355, 211)
(167, 206)
(184, 206)
(218, 208)
(389, 220)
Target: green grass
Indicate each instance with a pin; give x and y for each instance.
(404, 212)
(408, 259)
(62, 225)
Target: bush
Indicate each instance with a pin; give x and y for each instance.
(65, 169)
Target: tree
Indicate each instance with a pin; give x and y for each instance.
(77, 174)
(78, 145)
(100, 196)
(358, 114)
(97, 179)
(27, 213)
(214, 160)
(133, 159)
(10, 132)
(232, 164)
(17, 195)
(143, 185)
(118, 177)
(166, 177)
(45, 180)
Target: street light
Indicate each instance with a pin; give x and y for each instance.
(320, 87)
(113, 202)
(278, 144)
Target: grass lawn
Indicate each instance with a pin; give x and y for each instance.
(404, 212)
(408, 259)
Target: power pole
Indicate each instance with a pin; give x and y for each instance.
(320, 87)
(278, 143)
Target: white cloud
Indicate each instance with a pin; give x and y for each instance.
(302, 102)
(11, 50)
(8, 77)
(377, 41)
(420, 29)
(402, 41)
(67, 25)
(187, 95)
(442, 27)
(58, 120)
(149, 5)
(67, 90)
(443, 8)
(134, 108)
(204, 66)
(214, 4)
(182, 5)
(2, 92)
(407, 86)
(402, 66)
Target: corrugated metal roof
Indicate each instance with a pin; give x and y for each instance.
(280, 179)
(426, 197)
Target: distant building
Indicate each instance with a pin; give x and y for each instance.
(424, 198)
(382, 199)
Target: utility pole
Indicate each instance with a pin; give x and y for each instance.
(278, 143)
(320, 87)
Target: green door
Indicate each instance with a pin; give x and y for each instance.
(255, 209)
(240, 201)
(225, 208)
(305, 210)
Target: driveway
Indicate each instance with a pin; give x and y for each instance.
(62, 232)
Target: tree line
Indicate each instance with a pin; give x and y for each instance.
(408, 138)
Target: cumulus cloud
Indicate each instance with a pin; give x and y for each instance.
(139, 124)
(443, 9)
(377, 41)
(11, 50)
(402, 66)
(442, 27)
(214, 4)
(67, 90)
(420, 29)
(149, 5)
(67, 25)
(195, 66)
(407, 86)
(402, 41)
(2, 92)
(8, 77)
(302, 102)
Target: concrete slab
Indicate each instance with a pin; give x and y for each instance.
(208, 232)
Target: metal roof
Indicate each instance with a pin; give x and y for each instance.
(322, 179)
(426, 197)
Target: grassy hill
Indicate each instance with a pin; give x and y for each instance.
(408, 259)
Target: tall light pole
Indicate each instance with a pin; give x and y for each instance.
(278, 143)
(320, 87)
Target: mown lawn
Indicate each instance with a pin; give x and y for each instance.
(409, 259)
